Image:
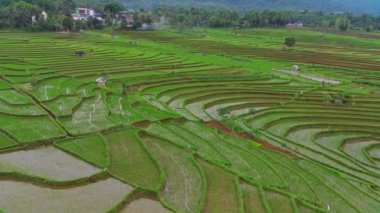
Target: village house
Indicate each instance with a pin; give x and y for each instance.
(44, 16)
(83, 13)
(295, 25)
(102, 81)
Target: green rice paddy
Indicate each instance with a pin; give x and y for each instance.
(194, 121)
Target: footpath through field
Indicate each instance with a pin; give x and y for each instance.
(310, 77)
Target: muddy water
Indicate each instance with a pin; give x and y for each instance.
(144, 205)
(96, 197)
(48, 162)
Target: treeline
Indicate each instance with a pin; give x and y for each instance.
(28, 14)
(55, 15)
(206, 17)
(355, 6)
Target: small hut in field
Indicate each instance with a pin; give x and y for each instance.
(102, 81)
(295, 68)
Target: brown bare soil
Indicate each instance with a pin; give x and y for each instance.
(131, 89)
(142, 124)
(226, 129)
(174, 120)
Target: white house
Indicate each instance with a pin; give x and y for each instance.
(102, 81)
(83, 13)
(295, 25)
(44, 15)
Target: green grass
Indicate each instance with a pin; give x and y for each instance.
(22, 109)
(278, 202)
(304, 157)
(31, 129)
(63, 105)
(130, 161)
(14, 97)
(5, 141)
(222, 189)
(91, 148)
(183, 185)
(251, 198)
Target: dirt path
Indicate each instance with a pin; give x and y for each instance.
(310, 77)
(226, 129)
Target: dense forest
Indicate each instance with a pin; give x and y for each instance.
(352, 6)
(201, 17)
(27, 15)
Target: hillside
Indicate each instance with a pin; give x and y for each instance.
(206, 120)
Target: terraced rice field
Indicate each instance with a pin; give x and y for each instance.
(188, 122)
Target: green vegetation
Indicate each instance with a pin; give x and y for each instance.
(251, 198)
(184, 183)
(5, 141)
(290, 41)
(130, 161)
(214, 120)
(222, 195)
(56, 15)
(368, 6)
(91, 148)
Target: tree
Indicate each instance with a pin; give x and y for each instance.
(67, 23)
(22, 13)
(342, 23)
(64, 7)
(80, 25)
(4, 18)
(137, 22)
(290, 41)
(113, 8)
(94, 23)
(325, 24)
(6, 3)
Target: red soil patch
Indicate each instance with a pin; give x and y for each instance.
(142, 124)
(226, 129)
(131, 89)
(174, 120)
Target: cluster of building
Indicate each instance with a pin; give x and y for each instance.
(84, 13)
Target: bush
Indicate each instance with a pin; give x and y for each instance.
(290, 41)
(223, 111)
(67, 23)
